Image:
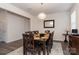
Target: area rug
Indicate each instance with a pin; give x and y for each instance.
(56, 50)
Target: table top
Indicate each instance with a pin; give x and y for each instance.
(42, 38)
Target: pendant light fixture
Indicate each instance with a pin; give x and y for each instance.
(42, 15)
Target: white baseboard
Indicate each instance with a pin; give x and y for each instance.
(12, 41)
(58, 39)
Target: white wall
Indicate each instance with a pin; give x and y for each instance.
(76, 8)
(26, 25)
(14, 9)
(62, 21)
(3, 25)
(12, 26)
(17, 25)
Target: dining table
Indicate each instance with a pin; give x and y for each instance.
(42, 38)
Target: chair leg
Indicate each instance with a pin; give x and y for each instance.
(47, 51)
(32, 53)
(24, 51)
(39, 52)
(44, 48)
(50, 50)
(43, 52)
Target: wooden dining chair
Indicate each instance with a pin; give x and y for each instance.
(52, 35)
(28, 43)
(49, 43)
(46, 45)
(35, 32)
(47, 31)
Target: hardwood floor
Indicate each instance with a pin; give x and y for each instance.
(8, 47)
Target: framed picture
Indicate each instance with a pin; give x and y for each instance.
(49, 23)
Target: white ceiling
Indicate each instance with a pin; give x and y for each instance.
(35, 8)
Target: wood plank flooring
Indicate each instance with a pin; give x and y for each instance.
(8, 47)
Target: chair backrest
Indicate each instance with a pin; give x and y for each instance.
(29, 32)
(47, 31)
(50, 41)
(52, 34)
(28, 40)
(35, 32)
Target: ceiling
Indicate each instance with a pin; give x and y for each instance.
(48, 8)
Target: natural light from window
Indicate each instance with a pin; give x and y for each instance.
(73, 20)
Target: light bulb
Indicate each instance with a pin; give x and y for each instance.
(42, 16)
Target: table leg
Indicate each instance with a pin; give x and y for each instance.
(44, 48)
(65, 38)
(39, 51)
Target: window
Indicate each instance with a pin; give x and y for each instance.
(73, 20)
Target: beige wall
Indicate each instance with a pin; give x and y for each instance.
(17, 25)
(76, 8)
(12, 26)
(14, 9)
(62, 21)
(3, 25)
